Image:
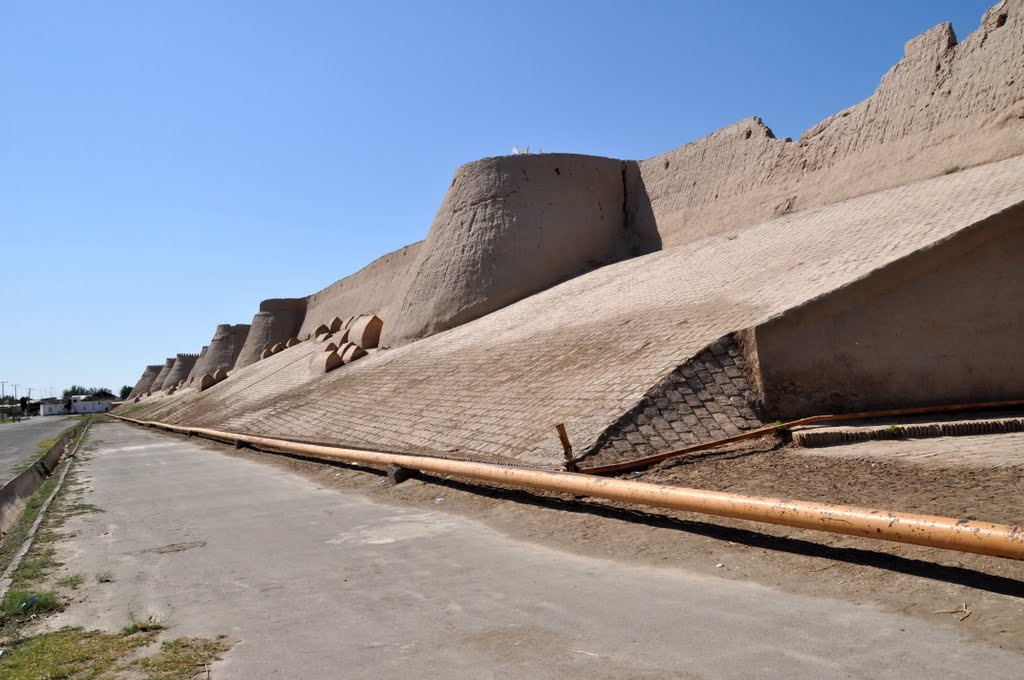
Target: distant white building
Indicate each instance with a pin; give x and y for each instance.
(51, 408)
(76, 404)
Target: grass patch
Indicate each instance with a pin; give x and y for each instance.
(181, 659)
(19, 605)
(23, 602)
(951, 169)
(105, 577)
(79, 509)
(46, 445)
(894, 432)
(37, 564)
(88, 654)
(129, 410)
(47, 536)
(82, 435)
(69, 653)
(71, 581)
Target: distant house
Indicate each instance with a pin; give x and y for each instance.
(51, 408)
(76, 404)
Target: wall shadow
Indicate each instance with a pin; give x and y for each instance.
(965, 576)
(642, 236)
(959, 575)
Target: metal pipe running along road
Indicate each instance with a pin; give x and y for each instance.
(983, 538)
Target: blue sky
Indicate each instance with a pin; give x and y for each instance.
(166, 166)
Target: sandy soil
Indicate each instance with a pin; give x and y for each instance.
(923, 582)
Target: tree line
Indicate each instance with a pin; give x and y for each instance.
(96, 392)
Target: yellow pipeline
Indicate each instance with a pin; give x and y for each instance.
(984, 538)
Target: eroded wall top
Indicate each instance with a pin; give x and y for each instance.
(943, 106)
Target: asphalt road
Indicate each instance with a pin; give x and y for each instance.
(18, 441)
(315, 583)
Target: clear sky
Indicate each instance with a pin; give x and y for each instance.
(164, 166)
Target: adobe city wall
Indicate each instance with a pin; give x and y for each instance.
(277, 321)
(222, 352)
(371, 290)
(585, 352)
(183, 365)
(513, 226)
(944, 105)
(145, 380)
(941, 326)
(510, 227)
(158, 381)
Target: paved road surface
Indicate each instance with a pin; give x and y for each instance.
(18, 441)
(323, 584)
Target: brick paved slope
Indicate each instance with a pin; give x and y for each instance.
(586, 352)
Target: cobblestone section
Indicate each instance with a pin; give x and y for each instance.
(587, 351)
(707, 398)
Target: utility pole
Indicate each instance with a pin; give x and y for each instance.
(30, 392)
(3, 393)
(15, 391)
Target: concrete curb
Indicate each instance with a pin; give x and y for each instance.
(812, 438)
(17, 491)
(6, 579)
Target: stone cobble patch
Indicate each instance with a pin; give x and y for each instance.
(692, 405)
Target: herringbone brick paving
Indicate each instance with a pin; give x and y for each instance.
(707, 398)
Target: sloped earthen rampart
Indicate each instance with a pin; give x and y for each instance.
(944, 325)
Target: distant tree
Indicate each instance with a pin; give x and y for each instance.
(101, 392)
(24, 404)
(75, 389)
(125, 391)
